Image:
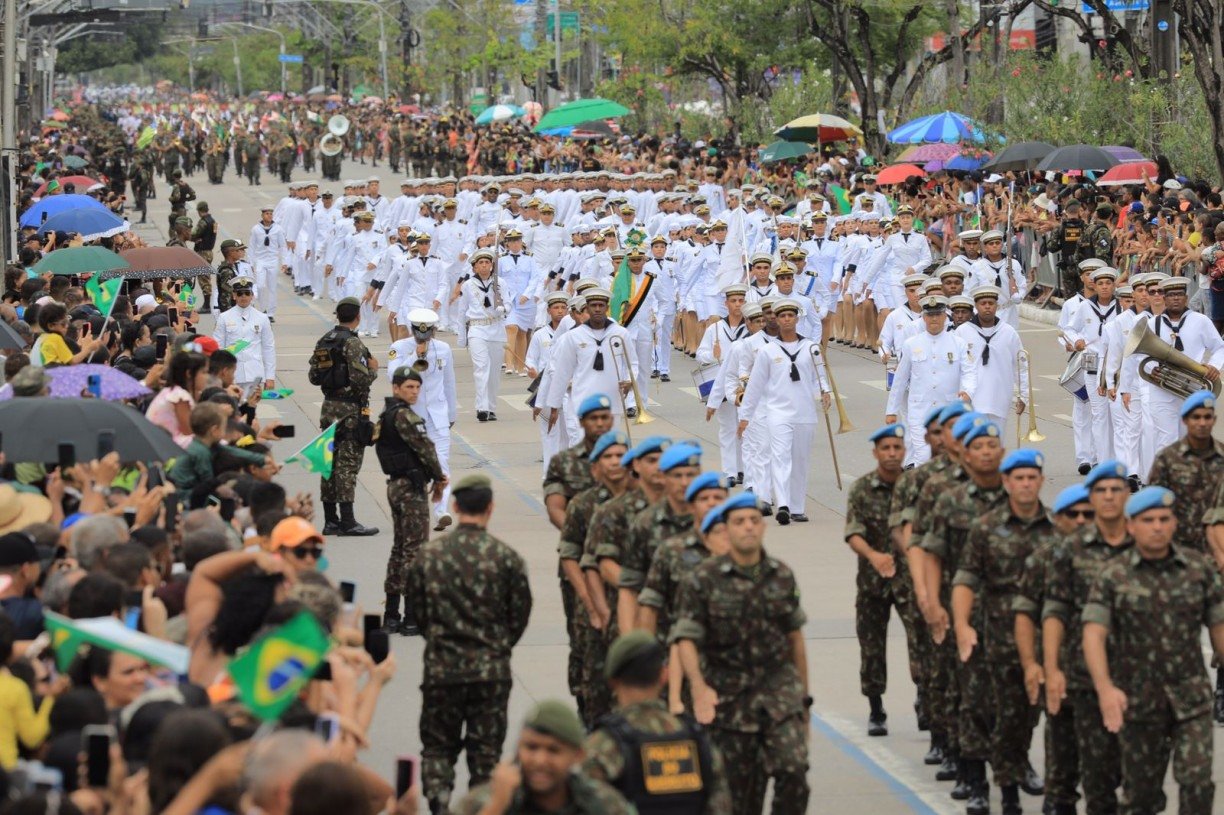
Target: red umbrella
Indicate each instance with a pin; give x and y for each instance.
(82, 182)
(898, 173)
(1132, 172)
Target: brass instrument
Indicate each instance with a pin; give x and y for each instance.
(616, 347)
(1033, 434)
(331, 145)
(845, 426)
(338, 125)
(1172, 370)
(739, 392)
(843, 418)
(421, 364)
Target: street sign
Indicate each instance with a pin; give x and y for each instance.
(569, 22)
(295, 58)
(1119, 5)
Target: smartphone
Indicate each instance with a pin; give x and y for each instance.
(67, 455)
(323, 673)
(129, 517)
(96, 743)
(228, 507)
(327, 727)
(162, 342)
(284, 431)
(405, 775)
(377, 644)
(156, 478)
(172, 313)
(348, 590)
(106, 438)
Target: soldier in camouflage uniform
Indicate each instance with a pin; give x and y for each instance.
(180, 194)
(1192, 469)
(1074, 565)
(537, 781)
(232, 251)
(991, 568)
(883, 579)
(252, 150)
(1096, 241)
(1071, 511)
(1152, 603)
(693, 781)
(953, 514)
(667, 517)
(347, 406)
(180, 231)
(472, 602)
(410, 461)
(740, 635)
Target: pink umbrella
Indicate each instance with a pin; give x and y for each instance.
(276, 97)
(922, 153)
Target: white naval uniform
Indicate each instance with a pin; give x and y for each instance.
(898, 327)
(438, 404)
(1087, 323)
(256, 362)
(642, 331)
(423, 285)
(1081, 413)
(518, 273)
(902, 253)
(729, 442)
(367, 250)
(539, 357)
(1202, 343)
(754, 445)
(449, 237)
(267, 252)
(790, 410)
(1121, 373)
(996, 394)
(994, 273)
(934, 368)
(484, 335)
(573, 361)
(665, 290)
(571, 431)
(826, 258)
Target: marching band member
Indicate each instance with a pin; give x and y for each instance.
(1086, 332)
(482, 303)
(715, 344)
(994, 349)
(993, 270)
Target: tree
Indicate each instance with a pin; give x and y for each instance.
(1201, 27)
(139, 38)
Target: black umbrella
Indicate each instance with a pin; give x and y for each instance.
(9, 338)
(1077, 157)
(1023, 155)
(33, 428)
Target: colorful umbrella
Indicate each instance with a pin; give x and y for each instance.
(939, 127)
(922, 153)
(784, 151)
(818, 127)
(1018, 157)
(90, 224)
(582, 110)
(151, 262)
(1124, 155)
(82, 182)
(898, 173)
(59, 116)
(276, 97)
(965, 162)
(1077, 157)
(80, 260)
(74, 162)
(1129, 172)
(71, 381)
(55, 204)
(499, 113)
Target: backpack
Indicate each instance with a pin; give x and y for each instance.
(329, 368)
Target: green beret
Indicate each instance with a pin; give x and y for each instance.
(555, 718)
(472, 481)
(349, 301)
(403, 374)
(627, 648)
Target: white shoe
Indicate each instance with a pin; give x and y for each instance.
(363, 333)
(316, 297)
(444, 520)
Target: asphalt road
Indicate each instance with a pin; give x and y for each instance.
(849, 771)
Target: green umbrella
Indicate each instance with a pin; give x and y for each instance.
(74, 162)
(583, 110)
(80, 260)
(784, 150)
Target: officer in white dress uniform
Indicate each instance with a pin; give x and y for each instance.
(424, 284)
(256, 362)
(1081, 413)
(662, 266)
(438, 405)
(902, 322)
(754, 443)
(582, 360)
(1086, 332)
(644, 323)
(539, 355)
(269, 255)
(715, 344)
(727, 388)
(994, 348)
(903, 253)
(934, 370)
(367, 247)
(482, 304)
(992, 270)
(449, 236)
(786, 391)
(1122, 378)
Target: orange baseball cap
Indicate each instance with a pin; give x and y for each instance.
(293, 531)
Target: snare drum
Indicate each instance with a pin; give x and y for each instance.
(1074, 379)
(703, 379)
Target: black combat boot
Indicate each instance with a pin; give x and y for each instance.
(391, 615)
(409, 626)
(935, 755)
(978, 802)
(1011, 800)
(1032, 783)
(876, 721)
(331, 519)
(949, 768)
(349, 528)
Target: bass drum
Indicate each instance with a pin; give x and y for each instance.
(1075, 379)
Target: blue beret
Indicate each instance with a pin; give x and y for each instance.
(594, 402)
(967, 422)
(951, 411)
(651, 444)
(605, 441)
(1022, 458)
(680, 455)
(888, 431)
(711, 518)
(980, 429)
(1149, 498)
(932, 415)
(1196, 400)
(706, 481)
(1069, 497)
(1106, 469)
(744, 500)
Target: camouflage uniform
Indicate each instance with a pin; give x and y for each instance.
(605, 760)
(647, 532)
(1193, 477)
(740, 620)
(346, 407)
(225, 286)
(867, 512)
(992, 565)
(1074, 565)
(952, 516)
(467, 650)
(608, 530)
(180, 193)
(1061, 755)
(573, 537)
(252, 159)
(672, 563)
(204, 238)
(408, 498)
(1155, 611)
(1096, 242)
(586, 797)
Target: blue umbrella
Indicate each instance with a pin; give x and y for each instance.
(55, 204)
(499, 113)
(90, 224)
(963, 162)
(939, 127)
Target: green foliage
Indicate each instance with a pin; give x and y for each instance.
(86, 54)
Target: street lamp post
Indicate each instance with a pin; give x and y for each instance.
(237, 67)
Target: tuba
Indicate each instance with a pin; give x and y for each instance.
(331, 145)
(1170, 369)
(338, 125)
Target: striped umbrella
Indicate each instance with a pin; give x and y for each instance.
(939, 127)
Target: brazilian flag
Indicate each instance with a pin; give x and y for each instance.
(270, 673)
(317, 456)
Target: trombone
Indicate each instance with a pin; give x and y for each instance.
(616, 347)
(1033, 434)
(844, 426)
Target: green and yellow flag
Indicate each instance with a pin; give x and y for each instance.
(843, 199)
(103, 293)
(146, 137)
(317, 456)
(68, 635)
(187, 296)
(272, 671)
(238, 347)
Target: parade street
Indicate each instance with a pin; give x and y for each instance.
(849, 771)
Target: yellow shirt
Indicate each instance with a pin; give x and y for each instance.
(54, 350)
(19, 720)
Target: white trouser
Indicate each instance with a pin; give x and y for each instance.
(265, 281)
(1126, 432)
(550, 440)
(334, 290)
(1147, 441)
(1166, 424)
(643, 350)
(369, 320)
(316, 276)
(569, 421)
(1101, 424)
(441, 437)
(756, 454)
(486, 360)
(301, 269)
(790, 448)
(1081, 425)
(663, 346)
(728, 438)
(917, 451)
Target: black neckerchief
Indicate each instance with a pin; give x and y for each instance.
(986, 338)
(794, 371)
(1174, 330)
(1109, 312)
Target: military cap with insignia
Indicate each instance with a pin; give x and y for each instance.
(1200, 399)
(594, 402)
(1149, 498)
(888, 431)
(1019, 459)
(637, 644)
(933, 303)
(609, 439)
(556, 719)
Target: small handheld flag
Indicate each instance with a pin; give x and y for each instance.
(317, 456)
(68, 635)
(103, 293)
(272, 671)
